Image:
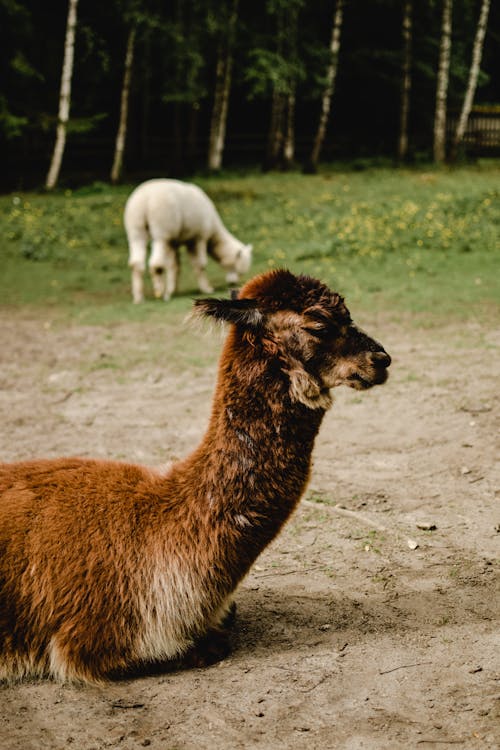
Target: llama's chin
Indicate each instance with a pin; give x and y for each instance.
(363, 382)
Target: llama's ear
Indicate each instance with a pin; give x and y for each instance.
(242, 312)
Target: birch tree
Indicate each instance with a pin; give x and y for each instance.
(477, 52)
(117, 168)
(275, 136)
(296, 74)
(284, 75)
(280, 85)
(289, 134)
(329, 89)
(442, 83)
(405, 79)
(184, 85)
(64, 97)
(223, 75)
(267, 75)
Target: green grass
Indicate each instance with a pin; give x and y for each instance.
(419, 243)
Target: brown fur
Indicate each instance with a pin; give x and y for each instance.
(105, 566)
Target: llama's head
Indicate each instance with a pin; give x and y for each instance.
(301, 324)
(234, 256)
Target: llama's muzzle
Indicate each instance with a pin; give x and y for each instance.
(381, 358)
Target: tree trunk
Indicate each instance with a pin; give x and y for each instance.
(405, 80)
(221, 97)
(214, 140)
(477, 52)
(145, 93)
(117, 168)
(276, 131)
(329, 88)
(192, 137)
(64, 97)
(177, 163)
(289, 132)
(280, 152)
(442, 84)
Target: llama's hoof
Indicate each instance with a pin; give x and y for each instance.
(210, 649)
(230, 617)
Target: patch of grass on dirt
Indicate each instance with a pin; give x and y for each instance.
(415, 242)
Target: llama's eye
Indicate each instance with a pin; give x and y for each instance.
(318, 331)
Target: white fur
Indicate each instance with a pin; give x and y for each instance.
(170, 607)
(171, 213)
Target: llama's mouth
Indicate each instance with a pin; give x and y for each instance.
(356, 381)
(361, 383)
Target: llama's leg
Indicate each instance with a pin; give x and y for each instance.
(225, 616)
(197, 252)
(157, 266)
(232, 278)
(213, 647)
(164, 268)
(82, 662)
(230, 617)
(138, 244)
(172, 278)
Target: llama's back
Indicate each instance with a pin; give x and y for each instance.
(77, 563)
(172, 210)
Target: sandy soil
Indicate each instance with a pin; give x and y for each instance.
(349, 635)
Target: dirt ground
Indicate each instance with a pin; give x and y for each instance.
(356, 628)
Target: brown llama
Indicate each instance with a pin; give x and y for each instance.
(108, 567)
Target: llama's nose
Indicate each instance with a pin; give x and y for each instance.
(381, 358)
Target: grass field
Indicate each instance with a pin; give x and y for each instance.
(424, 243)
(357, 623)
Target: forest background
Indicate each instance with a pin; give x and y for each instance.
(365, 622)
(189, 86)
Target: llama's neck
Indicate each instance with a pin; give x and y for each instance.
(253, 464)
(221, 238)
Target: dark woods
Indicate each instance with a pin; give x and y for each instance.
(173, 88)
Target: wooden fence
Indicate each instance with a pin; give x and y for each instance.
(482, 136)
